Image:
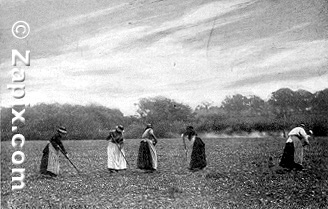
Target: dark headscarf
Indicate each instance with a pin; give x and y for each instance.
(190, 132)
(149, 125)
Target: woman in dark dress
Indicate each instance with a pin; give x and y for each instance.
(147, 156)
(50, 159)
(192, 142)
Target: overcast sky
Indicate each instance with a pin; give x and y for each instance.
(115, 52)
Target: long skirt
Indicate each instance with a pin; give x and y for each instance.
(293, 154)
(147, 156)
(116, 160)
(50, 161)
(198, 156)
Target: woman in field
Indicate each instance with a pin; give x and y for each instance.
(147, 156)
(115, 150)
(50, 159)
(292, 157)
(192, 142)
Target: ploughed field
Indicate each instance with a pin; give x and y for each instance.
(238, 175)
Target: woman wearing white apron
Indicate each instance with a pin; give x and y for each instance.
(115, 150)
(147, 156)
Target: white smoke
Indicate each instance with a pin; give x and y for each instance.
(254, 134)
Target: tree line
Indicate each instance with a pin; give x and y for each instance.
(237, 114)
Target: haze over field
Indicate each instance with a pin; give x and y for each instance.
(115, 52)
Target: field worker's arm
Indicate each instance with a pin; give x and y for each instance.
(110, 136)
(184, 141)
(305, 137)
(121, 141)
(57, 142)
(306, 140)
(60, 144)
(151, 132)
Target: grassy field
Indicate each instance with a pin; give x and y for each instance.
(237, 176)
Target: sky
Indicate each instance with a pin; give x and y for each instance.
(114, 53)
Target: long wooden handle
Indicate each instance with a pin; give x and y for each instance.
(123, 155)
(68, 159)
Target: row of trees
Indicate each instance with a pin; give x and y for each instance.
(237, 114)
(284, 109)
